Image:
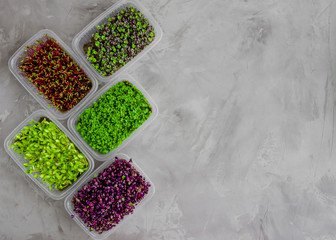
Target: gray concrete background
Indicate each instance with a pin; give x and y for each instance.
(244, 145)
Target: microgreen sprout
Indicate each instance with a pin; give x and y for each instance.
(51, 155)
(119, 40)
(104, 201)
(113, 117)
(53, 72)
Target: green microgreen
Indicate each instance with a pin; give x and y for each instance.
(51, 155)
(113, 117)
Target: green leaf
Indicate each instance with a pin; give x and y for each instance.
(116, 122)
(47, 160)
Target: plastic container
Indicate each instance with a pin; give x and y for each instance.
(69, 206)
(72, 121)
(20, 160)
(85, 35)
(14, 63)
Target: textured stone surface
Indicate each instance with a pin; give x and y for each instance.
(243, 147)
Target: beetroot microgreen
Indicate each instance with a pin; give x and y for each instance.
(53, 72)
(111, 195)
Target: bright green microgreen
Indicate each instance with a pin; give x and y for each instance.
(113, 117)
(51, 155)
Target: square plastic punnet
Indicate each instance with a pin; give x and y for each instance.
(85, 35)
(20, 160)
(14, 63)
(72, 121)
(69, 205)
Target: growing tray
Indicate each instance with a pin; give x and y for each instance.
(85, 35)
(69, 205)
(20, 160)
(72, 121)
(14, 63)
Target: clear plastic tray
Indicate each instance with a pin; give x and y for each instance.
(72, 121)
(85, 35)
(20, 160)
(69, 206)
(14, 63)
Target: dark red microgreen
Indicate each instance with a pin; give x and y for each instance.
(55, 74)
(104, 201)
